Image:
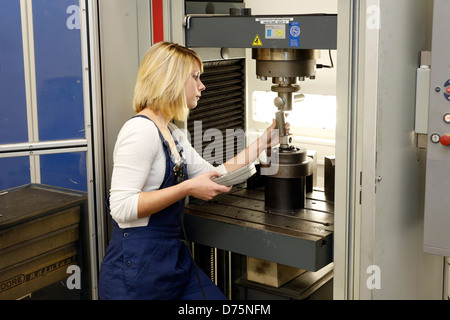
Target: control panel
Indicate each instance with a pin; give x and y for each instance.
(437, 185)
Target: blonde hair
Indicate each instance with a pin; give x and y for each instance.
(160, 84)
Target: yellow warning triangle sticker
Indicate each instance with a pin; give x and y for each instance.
(257, 41)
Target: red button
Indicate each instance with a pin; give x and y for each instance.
(445, 140)
(448, 90)
(447, 118)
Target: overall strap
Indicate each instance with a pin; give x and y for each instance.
(159, 132)
(164, 141)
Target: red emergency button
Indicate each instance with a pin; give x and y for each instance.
(445, 140)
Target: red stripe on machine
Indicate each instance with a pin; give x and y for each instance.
(158, 21)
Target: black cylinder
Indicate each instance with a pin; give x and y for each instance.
(240, 12)
(285, 195)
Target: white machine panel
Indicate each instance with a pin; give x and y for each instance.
(437, 193)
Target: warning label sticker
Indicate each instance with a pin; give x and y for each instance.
(257, 41)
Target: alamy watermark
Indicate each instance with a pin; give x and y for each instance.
(373, 18)
(74, 280)
(214, 151)
(74, 20)
(374, 279)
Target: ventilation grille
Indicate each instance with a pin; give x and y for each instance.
(220, 112)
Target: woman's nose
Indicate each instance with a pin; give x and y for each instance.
(201, 87)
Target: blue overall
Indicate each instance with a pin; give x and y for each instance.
(152, 262)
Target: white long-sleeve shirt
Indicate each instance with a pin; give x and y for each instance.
(140, 165)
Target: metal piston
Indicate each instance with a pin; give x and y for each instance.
(285, 191)
(285, 63)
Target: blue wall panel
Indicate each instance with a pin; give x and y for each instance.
(13, 108)
(65, 170)
(58, 71)
(14, 172)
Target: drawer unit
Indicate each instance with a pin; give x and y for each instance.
(39, 231)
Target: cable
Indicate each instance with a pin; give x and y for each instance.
(319, 66)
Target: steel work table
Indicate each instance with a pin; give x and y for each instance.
(238, 222)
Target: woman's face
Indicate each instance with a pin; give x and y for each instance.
(194, 87)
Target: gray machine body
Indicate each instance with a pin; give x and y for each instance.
(315, 31)
(437, 192)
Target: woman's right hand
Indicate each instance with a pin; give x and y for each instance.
(202, 187)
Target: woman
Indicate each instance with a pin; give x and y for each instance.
(153, 173)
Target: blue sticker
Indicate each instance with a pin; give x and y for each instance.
(294, 34)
